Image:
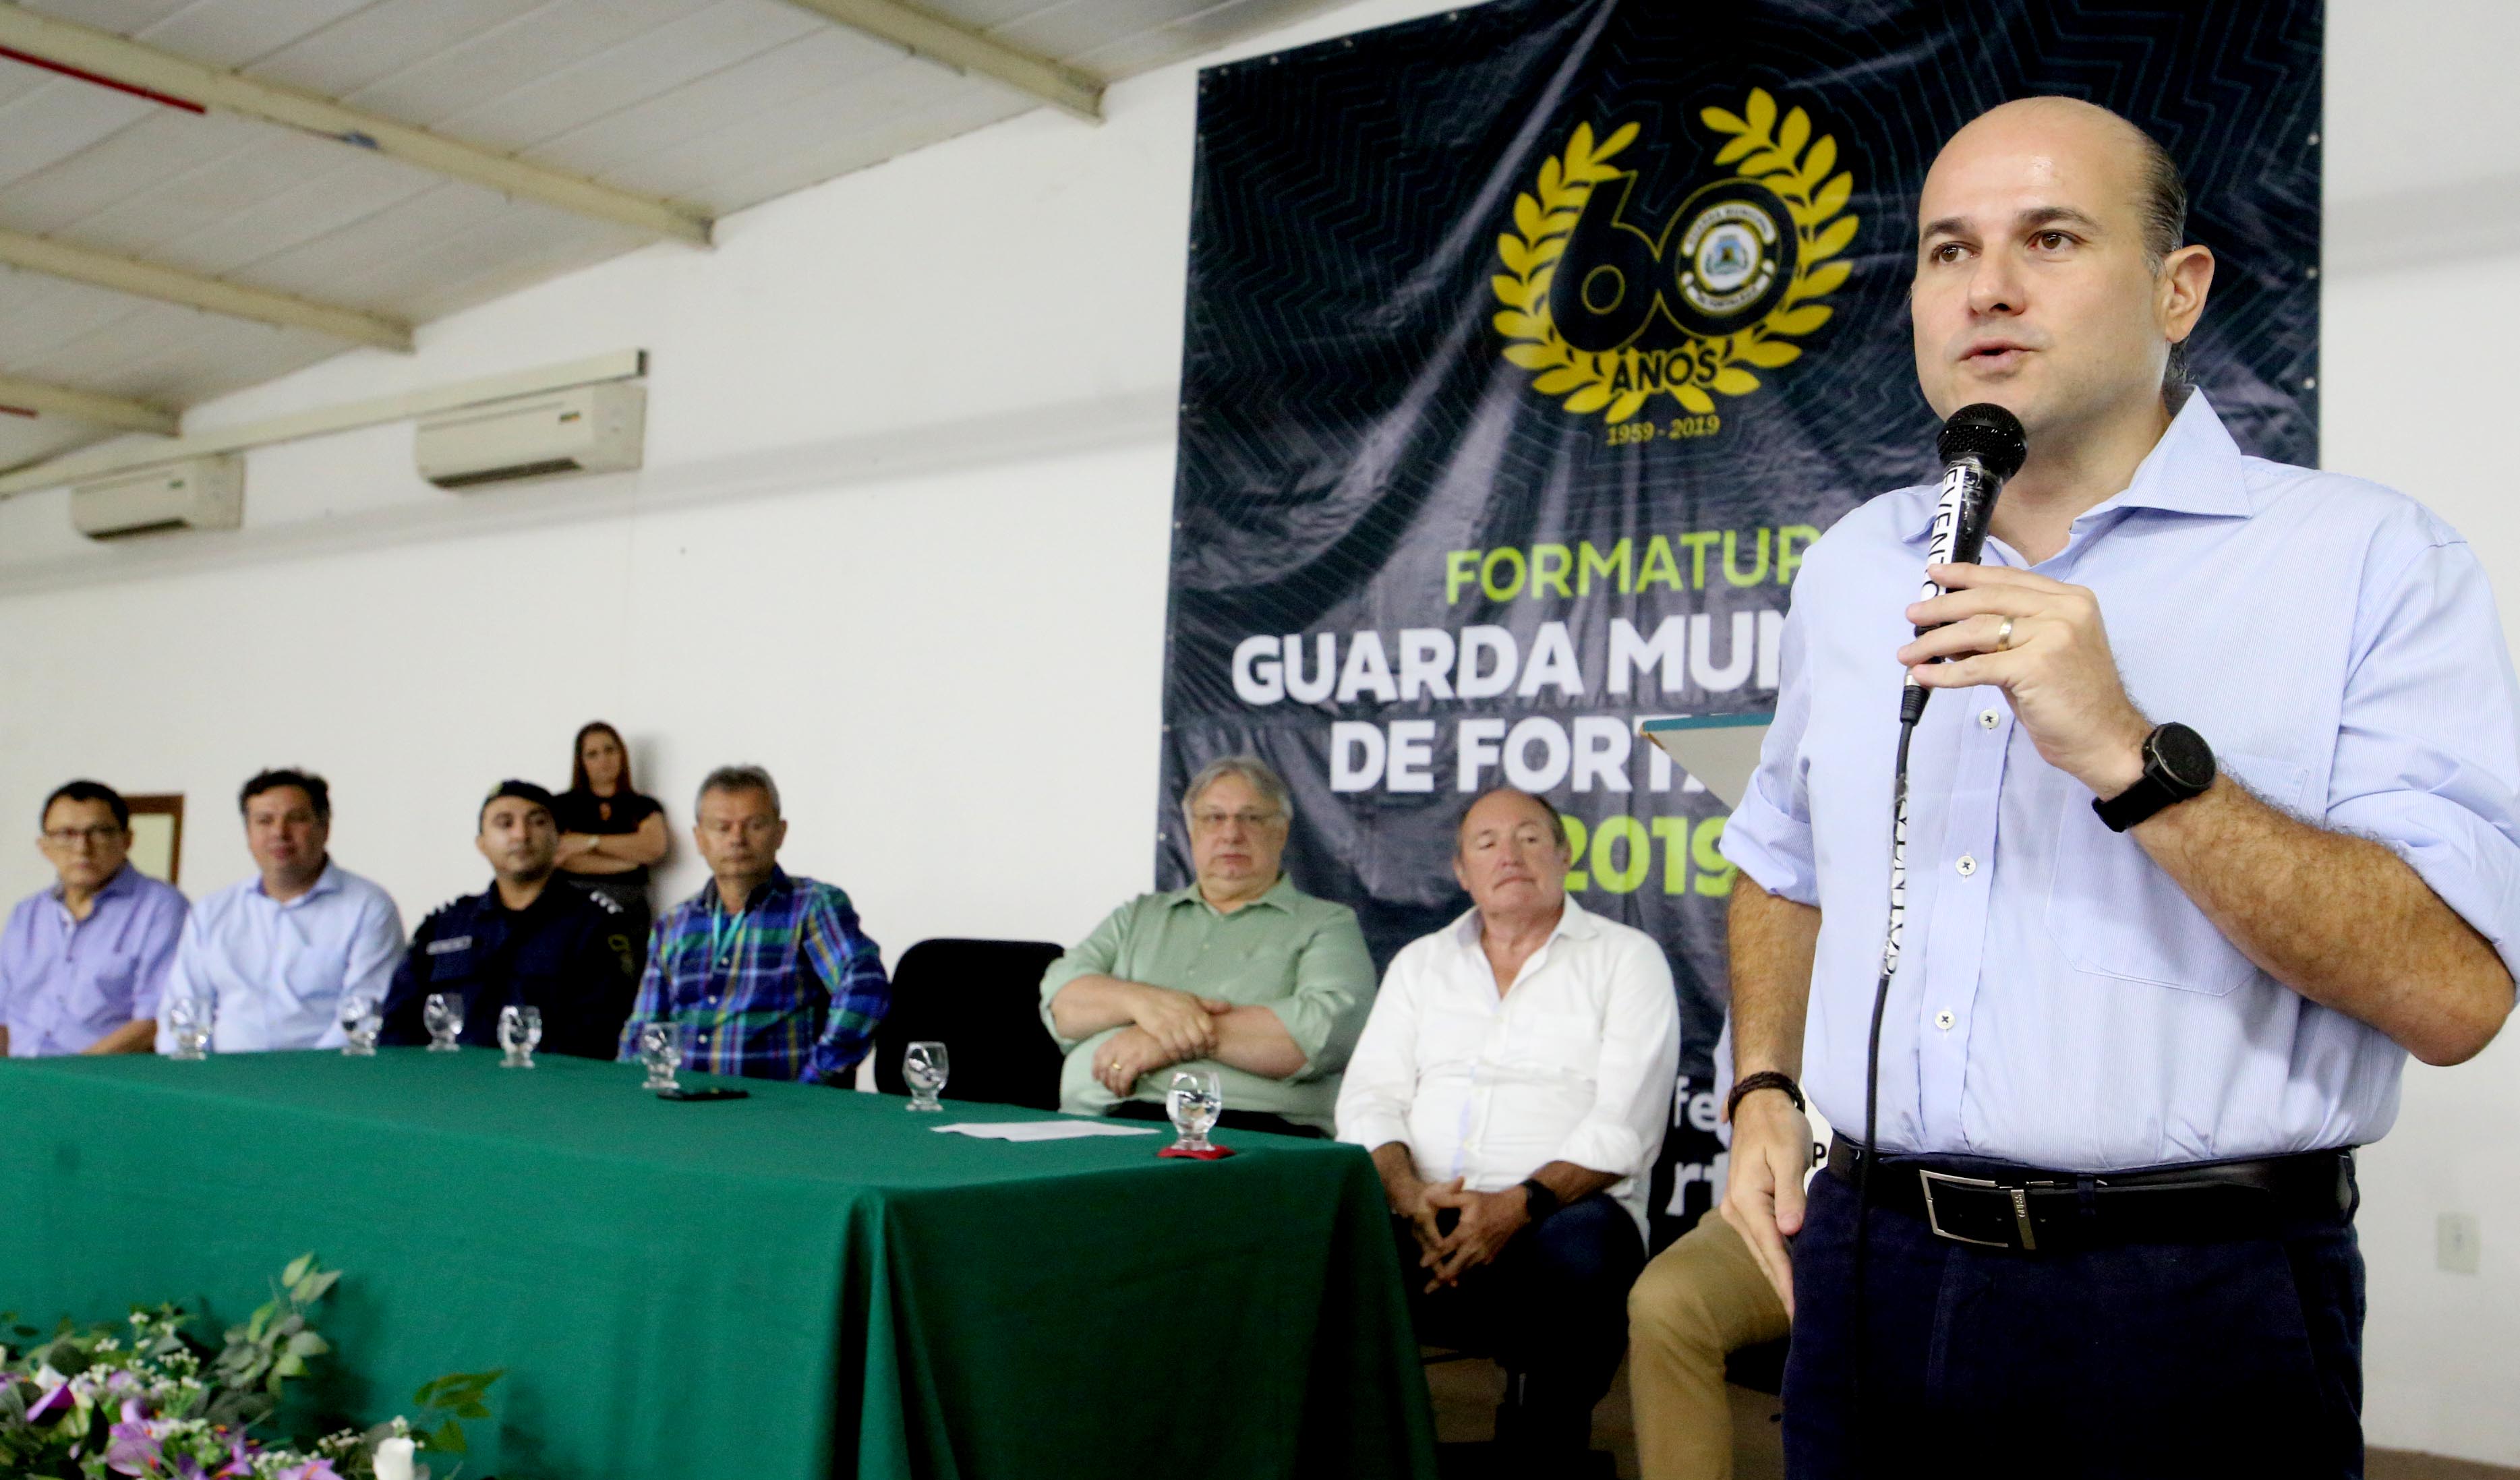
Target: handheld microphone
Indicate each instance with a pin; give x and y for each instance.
(1981, 447)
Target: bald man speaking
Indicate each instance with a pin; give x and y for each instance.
(2213, 822)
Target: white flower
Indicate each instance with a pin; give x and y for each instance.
(393, 1460)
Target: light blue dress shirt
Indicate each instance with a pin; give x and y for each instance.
(2059, 1000)
(65, 984)
(274, 973)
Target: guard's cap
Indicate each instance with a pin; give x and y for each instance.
(525, 790)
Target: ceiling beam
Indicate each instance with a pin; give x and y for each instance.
(956, 46)
(171, 284)
(85, 406)
(102, 57)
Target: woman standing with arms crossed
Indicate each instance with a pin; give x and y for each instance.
(612, 834)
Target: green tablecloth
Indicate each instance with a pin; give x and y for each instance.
(808, 1282)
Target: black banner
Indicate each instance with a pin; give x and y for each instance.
(1530, 345)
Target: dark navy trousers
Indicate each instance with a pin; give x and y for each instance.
(2141, 1362)
(1551, 1310)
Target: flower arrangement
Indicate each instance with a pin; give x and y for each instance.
(148, 1400)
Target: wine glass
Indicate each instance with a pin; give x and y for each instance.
(361, 1016)
(519, 1030)
(925, 1066)
(1195, 1102)
(187, 1023)
(660, 1049)
(443, 1013)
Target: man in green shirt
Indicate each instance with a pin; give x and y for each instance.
(1240, 972)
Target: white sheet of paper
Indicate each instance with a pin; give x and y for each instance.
(1041, 1130)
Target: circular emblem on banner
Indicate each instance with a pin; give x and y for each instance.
(1735, 256)
(1610, 312)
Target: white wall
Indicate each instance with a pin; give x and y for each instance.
(902, 538)
(2417, 378)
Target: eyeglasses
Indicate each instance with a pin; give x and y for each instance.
(1210, 822)
(98, 836)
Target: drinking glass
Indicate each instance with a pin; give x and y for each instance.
(361, 1019)
(519, 1030)
(925, 1066)
(443, 1013)
(1195, 1102)
(660, 1049)
(187, 1023)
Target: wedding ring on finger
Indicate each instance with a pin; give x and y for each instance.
(2003, 637)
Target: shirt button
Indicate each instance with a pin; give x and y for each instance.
(1943, 1019)
(1967, 866)
(1989, 719)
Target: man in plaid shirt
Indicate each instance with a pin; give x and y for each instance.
(769, 975)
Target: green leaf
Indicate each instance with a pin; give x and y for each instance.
(308, 1344)
(448, 1436)
(298, 1268)
(316, 1286)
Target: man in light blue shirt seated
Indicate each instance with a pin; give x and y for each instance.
(83, 962)
(270, 959)
(2214, 818)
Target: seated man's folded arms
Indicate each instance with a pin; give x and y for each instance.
(1239, 972)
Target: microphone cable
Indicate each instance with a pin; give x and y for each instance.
(1980, 446)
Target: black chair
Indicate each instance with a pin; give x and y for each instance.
(981, 998)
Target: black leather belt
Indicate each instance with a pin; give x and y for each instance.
(1996, 1205)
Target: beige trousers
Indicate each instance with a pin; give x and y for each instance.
(1698, 1301)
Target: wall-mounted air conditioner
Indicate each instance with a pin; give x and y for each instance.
(202, 493)
(589, 429)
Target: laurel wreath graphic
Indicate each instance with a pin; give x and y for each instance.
(1783, 158)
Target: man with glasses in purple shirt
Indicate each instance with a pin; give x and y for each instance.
(81, 964)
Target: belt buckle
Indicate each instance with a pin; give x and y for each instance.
(2019, 1198)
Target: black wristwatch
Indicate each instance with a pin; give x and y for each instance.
(1538, 1201)
(2177, 765)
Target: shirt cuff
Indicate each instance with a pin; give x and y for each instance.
(1371, 1126)
(1773, 849)
(1612, 1150)
(2458, 854)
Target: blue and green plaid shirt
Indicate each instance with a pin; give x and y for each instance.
(788, 988)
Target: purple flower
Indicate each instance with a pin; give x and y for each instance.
(53, 1398)
(312, 1470)
(133, 1448)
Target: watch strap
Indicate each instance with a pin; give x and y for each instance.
(2154, 790)
(1539, 1201)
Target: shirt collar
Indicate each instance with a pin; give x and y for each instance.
(711, 903)
(119, 882)
(1278, 896)
(2194, 469)
(327, 882)
(1575, 922)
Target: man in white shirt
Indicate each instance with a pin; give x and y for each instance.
(1513, 1082)
(271, 958)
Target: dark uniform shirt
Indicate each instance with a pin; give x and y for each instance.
(569, 952)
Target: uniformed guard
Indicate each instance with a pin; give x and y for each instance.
(522, 942)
